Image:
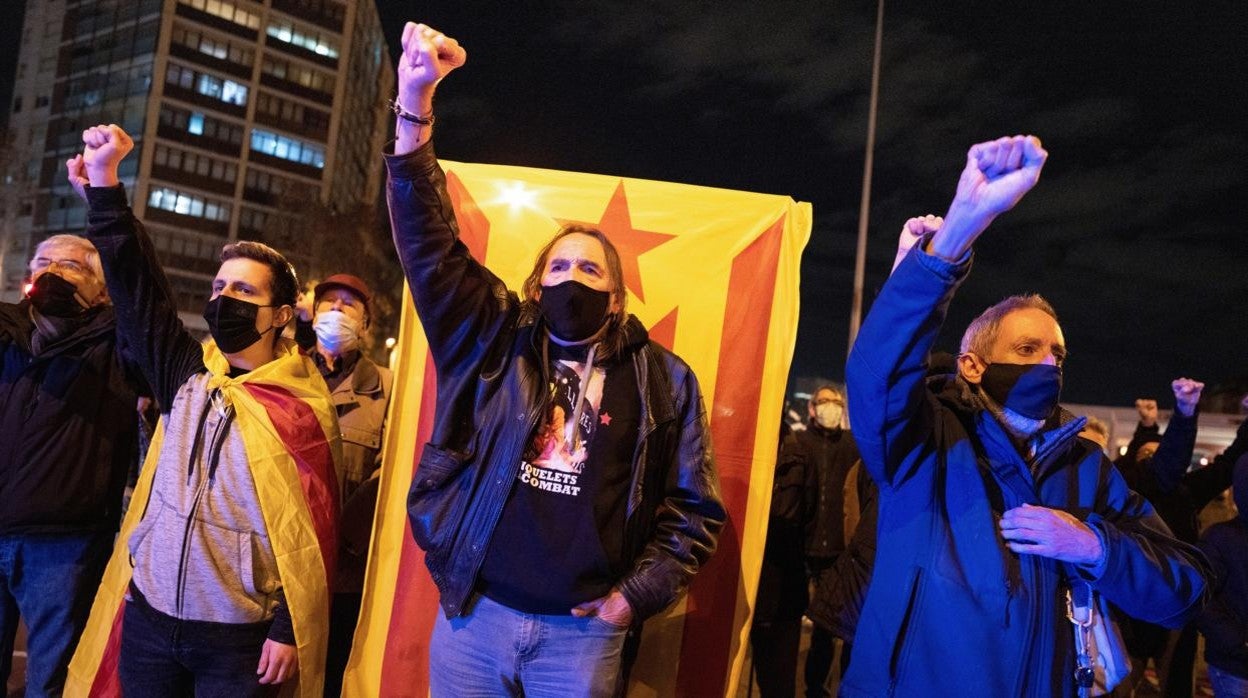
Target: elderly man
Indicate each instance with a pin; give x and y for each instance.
(68, 435)
(336, 316)
(568, 490)
(991, 510)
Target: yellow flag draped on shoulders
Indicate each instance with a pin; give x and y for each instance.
(713, 275)
(290, 435)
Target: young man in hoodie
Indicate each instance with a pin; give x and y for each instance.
(227, 551)
(568, 490)
(991, 509)
(68, 435)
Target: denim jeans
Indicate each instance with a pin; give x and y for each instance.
(495, 651)
(50, 581)
(162, 656)
(1227, 685)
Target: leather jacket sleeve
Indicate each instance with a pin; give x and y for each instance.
(689, 517)
(461, 304)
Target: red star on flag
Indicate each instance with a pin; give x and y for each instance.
(604, 419)
(617, 223)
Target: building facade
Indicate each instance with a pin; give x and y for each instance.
(247, 115)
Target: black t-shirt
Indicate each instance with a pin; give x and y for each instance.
(560, 539)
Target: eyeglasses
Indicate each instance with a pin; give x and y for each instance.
(73, 265)
(831, 400)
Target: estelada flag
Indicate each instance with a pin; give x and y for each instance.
(290, 434)
(713, 274)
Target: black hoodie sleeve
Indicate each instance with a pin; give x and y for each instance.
(147, 316)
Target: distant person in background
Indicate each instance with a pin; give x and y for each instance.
(781, 597)
(840, 593)
(1157, 466)
(1224, 622)
(828, 452)
(1096, 431)
(336, 314)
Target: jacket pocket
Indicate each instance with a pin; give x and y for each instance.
(904, 642)
(437, 499)
(367, 437)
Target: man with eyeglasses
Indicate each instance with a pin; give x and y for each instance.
(68, 435)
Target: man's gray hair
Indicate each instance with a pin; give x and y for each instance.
(62, 240)
(981, 334)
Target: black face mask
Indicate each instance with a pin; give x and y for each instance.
(232, 323)
(573, 311)
(1031, 390)
(55, 297)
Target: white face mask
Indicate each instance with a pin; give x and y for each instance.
(828, 415)
(337, 331)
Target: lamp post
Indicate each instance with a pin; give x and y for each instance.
(864, 211)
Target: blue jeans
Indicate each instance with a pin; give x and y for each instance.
(495, 651)
(162, 656)
(50, 580)
(1226, 685)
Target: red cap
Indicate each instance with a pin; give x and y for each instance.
(350, 282)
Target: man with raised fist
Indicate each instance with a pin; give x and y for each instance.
(568, 490)
(991, 511)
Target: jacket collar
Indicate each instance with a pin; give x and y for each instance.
(1048, 445)
(365, 379)
(17, 322)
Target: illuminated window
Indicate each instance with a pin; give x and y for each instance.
(288, 148)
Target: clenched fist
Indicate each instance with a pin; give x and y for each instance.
(1186, 395)
(104, 148)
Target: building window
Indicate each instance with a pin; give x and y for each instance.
(226, 10)
(186, 204)
(198, 124)
(310, 39)
(306, 77)
(211, 46)
(293, 113)
(288, 148)
(207, 84)
(194, 163)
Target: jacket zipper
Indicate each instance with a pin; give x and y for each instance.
(180, 596)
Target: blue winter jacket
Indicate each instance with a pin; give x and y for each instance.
(951, 611)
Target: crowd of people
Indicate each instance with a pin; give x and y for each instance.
(943, 516)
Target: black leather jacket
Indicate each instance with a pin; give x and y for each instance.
(491, 392)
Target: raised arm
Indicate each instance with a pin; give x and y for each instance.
(1174, 453)
(461, 304)
(428, 55)
(1205, 484)
(886, 372)
(147, 317)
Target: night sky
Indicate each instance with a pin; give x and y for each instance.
(1135, 232)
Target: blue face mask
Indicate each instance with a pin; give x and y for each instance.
(1030, 390)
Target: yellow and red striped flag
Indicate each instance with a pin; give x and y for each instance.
(713, 274)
